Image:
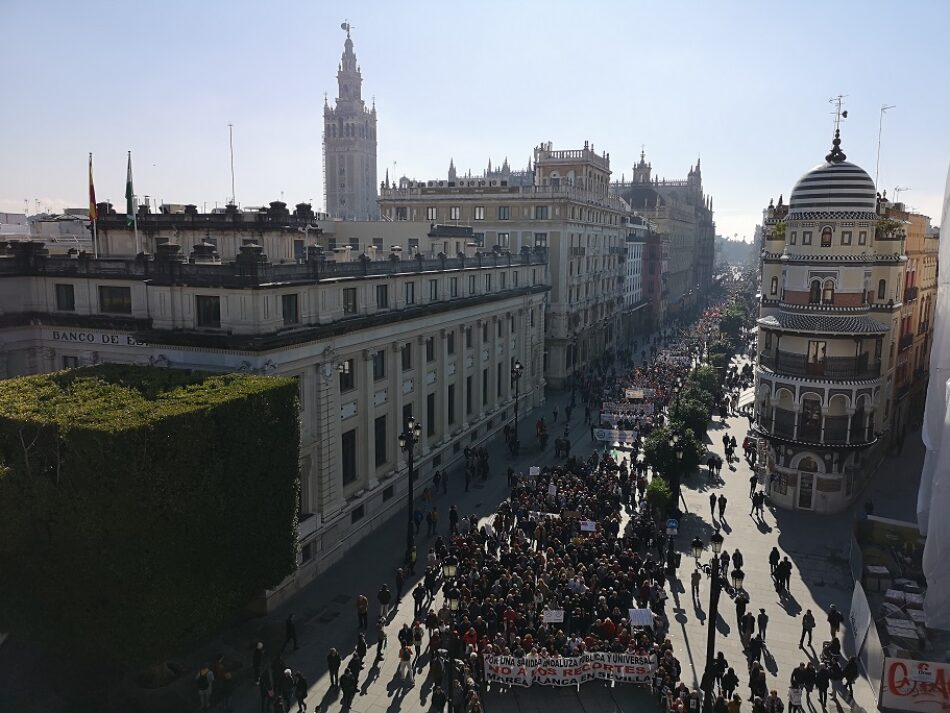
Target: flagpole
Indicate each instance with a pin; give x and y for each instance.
(95, 241)
(93, 211)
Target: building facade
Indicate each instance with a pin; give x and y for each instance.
(349, 145)
(369, 342)
(918, 303)
(568, 210)
(683, 215)
(636, 313)
(830, 310)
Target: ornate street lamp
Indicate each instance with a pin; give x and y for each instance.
(407, 442)
(715, 589)
(516, 371)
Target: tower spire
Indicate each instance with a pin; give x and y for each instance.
(836, 155)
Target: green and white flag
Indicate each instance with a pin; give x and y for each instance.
(129, 196)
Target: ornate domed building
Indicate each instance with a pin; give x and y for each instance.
(831, 272)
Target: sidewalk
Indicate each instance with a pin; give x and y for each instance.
(818, 549)
(325, 611)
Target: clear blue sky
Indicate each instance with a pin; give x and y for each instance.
(744, 85)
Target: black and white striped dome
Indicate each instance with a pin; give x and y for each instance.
(834, 187)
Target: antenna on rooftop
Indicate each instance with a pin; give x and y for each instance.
(839, 115)
(898, 190)
(880, 128)
(231, 145)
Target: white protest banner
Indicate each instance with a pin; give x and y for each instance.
(552, 616)
(634, 394)
(612, 434)
(910, 685)
(588, 526)
(552, 489)
(568, 670)
(534, 470)
(640, 617)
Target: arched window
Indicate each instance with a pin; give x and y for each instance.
(774, 288)
(814, 295)
(826, 236)
(828, 293)
(881, 289)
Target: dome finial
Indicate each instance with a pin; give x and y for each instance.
(836, 155)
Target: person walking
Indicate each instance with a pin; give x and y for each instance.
(290, 633)
(741, 601)
(834, 620)
(417, 634)
(333, 666)
(722, 507)
(453, 520)
(405, 661)
(730, 681)
(712, 504)
(850, 675)
(753, 481)
(266, 687)
(258, 661)
(808, 625)
(737, 560)
(695, 578)
(348, 686)
(419, 598)
(300, 692)
(400, 583)
(362, 612)
(384, 597)
(360, 650)
(380, 637)
(822, 681)
(774, 557)
(763, 621)
(204, 680)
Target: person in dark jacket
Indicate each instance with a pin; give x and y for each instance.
(348, 686)
(290, 633)
(300, 691)
(333, 666)
(850, 675)
(730, 681)
(822, 681)
(258, 661)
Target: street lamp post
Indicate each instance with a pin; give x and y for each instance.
(407, 442)
(516, 371)
(715, 589)
(677, 446)
(453, 599)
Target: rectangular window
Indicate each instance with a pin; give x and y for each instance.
(488, 283)
(433, 290)
(402, 213)
(406, 353)
(540, 212)
(468, 337)
(484, 332)
(468, 395)
(514, 278)
(357, 514)
(288, 309)
(504, 212)
(471, 284)
(484, 387)
(454, 287)
(432, 213)
(845, 237)
(65, 298)
(540, 240)
(806, 237)
(379, 429)
(349, 300)
(450, 403)
(116, 300)
(355, 244)
(406, 413)
(347, 375)
(450, 342)
(378, 243)
(413, 246)
(430, 415)
(70, 362)
(379, 365)
(862, 237)
(382, 296)
(503, 278)
(410, 293)
(430, 350)
(503, 241)
(348, 457)
(455, 213)
(794, 238)
(479, 239)
(479, 212)
(207, 310)
(498, 381)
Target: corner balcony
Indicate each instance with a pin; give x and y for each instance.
(790, 426)
(829, 368)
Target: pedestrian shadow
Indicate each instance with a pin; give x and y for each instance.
(329, 697)
(770, 665)
(722, 626)
(699, 612)
(790, 605)
(372, 674)
(724, 526)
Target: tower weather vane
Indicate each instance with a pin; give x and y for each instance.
(346, 26)
(839, 115)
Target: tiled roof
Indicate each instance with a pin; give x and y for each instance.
(823, 323)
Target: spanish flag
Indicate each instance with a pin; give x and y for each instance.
(92, 193)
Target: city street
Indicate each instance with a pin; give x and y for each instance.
(326, 611)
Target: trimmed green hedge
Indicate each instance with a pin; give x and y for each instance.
(141, 507)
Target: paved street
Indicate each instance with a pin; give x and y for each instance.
(326, 615)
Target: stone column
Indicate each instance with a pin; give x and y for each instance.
(419, 393)
(442, 384)
(365, 437)
(395, 425)
(479, 364)
(325, 465)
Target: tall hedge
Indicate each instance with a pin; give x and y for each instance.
(141, 507)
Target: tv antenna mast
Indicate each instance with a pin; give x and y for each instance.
(880, 128)
(231, 145)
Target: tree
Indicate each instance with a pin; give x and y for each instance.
(691, 413)
(659, 495)
(661, 456)
(704, 378)
(142, 507)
